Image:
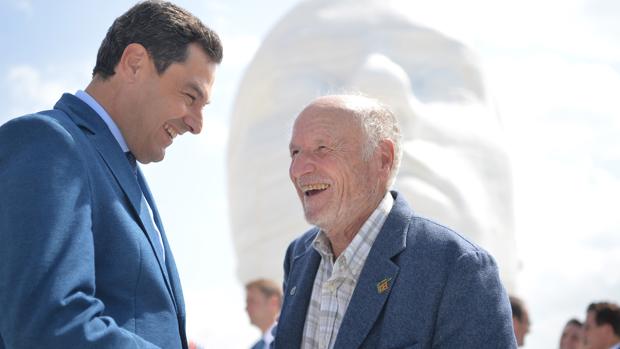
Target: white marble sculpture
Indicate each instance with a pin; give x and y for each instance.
(454, 166)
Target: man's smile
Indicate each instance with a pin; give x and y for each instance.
(313, 189)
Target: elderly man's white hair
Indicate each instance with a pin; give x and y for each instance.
(377, 122)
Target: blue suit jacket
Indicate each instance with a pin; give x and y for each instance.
(422, 286)
(77, 263)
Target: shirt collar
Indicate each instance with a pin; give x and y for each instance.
(268, 336)
(116, 132)
(355, 254)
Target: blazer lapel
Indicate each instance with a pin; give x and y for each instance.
(376, 279)
(114, 158)
(299, 287)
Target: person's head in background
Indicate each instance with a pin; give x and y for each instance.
(572, 335)
(263, 302)
(520, 319)
(602, 326)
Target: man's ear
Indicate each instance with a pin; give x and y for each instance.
(134, 61)
(386, 155)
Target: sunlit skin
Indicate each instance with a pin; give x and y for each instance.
(337, 187)
(152, 109)
(262, 310)
(572, 337)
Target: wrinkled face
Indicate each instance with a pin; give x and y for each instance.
(572, 337)
(335, 184)
(168, 105)
(596, 336)
(258, 307)
(521, 327)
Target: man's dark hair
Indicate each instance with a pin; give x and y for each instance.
(606, 313)
(516, 304)
(164, 29)
(574, 322)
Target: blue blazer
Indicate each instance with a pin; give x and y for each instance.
(78, 268)
(422, 286)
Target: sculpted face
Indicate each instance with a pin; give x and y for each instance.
(164, 106)
(336, 186)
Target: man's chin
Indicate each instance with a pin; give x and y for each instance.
(315, 219)
(159, 156)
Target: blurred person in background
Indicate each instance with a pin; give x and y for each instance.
(263, 302)
(520, 319)
(602, 326)
(572, 335)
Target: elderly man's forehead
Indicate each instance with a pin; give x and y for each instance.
(345, 102)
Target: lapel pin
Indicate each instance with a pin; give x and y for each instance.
(293, 290)
(383, 285)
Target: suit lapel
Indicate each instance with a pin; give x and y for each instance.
(108, 148)
(376, 279)
(299, 288)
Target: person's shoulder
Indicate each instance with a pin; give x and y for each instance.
(41, 134)
(36, 124)
(432, 234)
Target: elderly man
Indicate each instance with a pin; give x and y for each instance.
(602, 326)
(372, 274)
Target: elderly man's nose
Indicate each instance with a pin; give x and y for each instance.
(301, 164)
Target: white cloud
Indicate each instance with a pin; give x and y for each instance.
(561, 114)
(29, 91)
(23, 5)
(520, 26)
(239, 50)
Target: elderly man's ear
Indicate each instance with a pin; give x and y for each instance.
(386, 153)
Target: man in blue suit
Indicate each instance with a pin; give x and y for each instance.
(84, 259)
(373, 274)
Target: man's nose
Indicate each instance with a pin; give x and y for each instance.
(193, 121)
(302, 164)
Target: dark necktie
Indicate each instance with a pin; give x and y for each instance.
(134, 168)
(132, 162)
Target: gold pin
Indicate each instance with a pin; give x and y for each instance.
(383, 285)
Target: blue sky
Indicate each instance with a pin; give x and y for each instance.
(552, 66)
